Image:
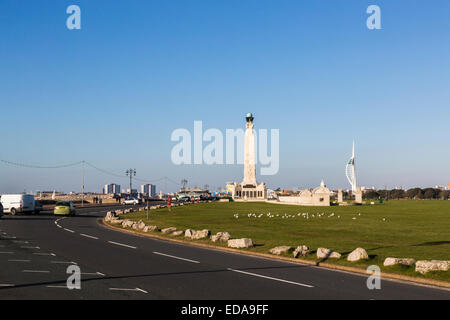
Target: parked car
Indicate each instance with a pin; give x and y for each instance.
(1, 210)
(184, 199)
(131, 201)
(64, 208)
(17, 203)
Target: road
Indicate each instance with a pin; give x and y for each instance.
(35, 252)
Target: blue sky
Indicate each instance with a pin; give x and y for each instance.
(113, 92)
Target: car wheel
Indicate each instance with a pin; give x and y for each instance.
(13, 211)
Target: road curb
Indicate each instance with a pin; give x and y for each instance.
(392, 276)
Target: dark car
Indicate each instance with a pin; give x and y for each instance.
(1, 209)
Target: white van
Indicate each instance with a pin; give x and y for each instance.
(17, 203)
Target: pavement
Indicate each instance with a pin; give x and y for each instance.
(36, 250)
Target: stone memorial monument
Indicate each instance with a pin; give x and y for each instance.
(249, 189)
(358, 195)
(340, 196)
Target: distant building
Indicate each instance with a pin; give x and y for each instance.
(133, 191)
(149, 190)
(319, 196)
(192, 192)
(111, 188)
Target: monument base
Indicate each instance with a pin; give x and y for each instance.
(240, 192)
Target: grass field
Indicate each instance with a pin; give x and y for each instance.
(414, 229)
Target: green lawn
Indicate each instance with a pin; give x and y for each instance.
(414, 229)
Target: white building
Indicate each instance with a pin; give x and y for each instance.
(111, 188)
(319, 196)
(148, 189)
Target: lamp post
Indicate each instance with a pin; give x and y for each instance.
(82, 186)
(131, 173)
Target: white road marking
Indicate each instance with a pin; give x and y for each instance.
(88, 236)
(36, 271)
(69, 230)
(93, 274)
(20, 241)
(9, 237)
(6, 252)
(121, 244)
(6, 285)
(271, 278)
(59, 287)
(124, 289)
(175, 257)
(63, 262)
(18, 260)
(29, 247)
(44, 254)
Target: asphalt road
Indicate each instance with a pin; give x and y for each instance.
(35, 252)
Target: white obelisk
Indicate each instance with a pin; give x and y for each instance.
(249, 153)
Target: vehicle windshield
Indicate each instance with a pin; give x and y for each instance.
(62, 203)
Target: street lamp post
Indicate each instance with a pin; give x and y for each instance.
(82, 187)
(131, 173)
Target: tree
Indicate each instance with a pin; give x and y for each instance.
(397, 194)
(444, 194)
(430, 193)
(371, 194)
(383, 193)
(413, 193)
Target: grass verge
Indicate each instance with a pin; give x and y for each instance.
(414, 229)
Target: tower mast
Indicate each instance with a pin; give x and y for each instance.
(350, 169)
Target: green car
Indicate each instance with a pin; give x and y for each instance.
(64, 208)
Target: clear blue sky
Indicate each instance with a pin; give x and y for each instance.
(112, 92)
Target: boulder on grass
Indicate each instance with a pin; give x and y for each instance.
(141, 225)
(220, 236)
(279, 250)
(240, 243)
(425, 266)
(188, 233)
(200, 234)
(168, 230)
(152, 228)
(398, 261)
(115, 221)
(127, 223)
(323, 253)
(301, 251)
(358, 254)
(110, 215)
(177, 233)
